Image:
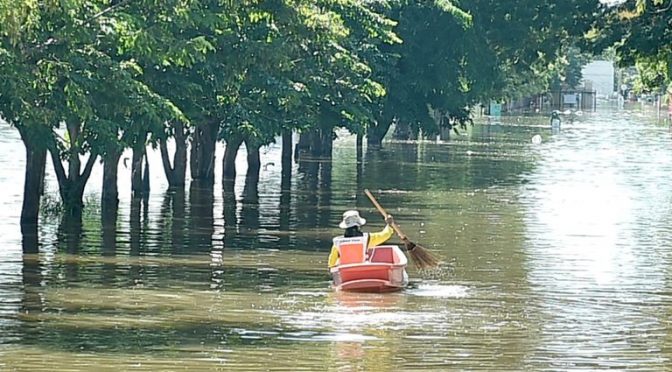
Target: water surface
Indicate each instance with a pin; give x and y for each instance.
(556, 257)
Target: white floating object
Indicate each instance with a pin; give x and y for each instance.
(536, 139)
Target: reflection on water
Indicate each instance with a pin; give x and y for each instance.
(558, 257)
(595, 209)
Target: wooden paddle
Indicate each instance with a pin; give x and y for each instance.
(421, 256)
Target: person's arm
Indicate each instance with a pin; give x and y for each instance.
(380, 237)
(333, 256)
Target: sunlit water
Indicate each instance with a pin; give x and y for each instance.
(556, 257)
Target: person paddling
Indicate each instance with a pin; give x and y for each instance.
(352, 223)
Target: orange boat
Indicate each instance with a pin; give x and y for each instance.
(377, 269)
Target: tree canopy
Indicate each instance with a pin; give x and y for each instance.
(85, 79)
(640, 33)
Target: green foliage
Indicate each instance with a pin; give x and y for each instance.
(640, 33)
(126, 69)
(448, 7)
(450, 60)
(534, 43)
(115, 74)
(652, 73)
(68, 91)
(428, 69)
(567, 72)
(60, 68)
(299, 64)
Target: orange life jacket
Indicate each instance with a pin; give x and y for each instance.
(351, 250)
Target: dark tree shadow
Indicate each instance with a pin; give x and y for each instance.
(109, 232)
(201, 217)
(70, 236)
(230, 206)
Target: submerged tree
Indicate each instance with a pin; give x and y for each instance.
(88, 79)
(65, 91)
(300, 71)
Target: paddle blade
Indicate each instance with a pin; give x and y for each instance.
(421, 256)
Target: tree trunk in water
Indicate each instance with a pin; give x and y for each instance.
(203, 146)
(324, 194)
(376, 132)
(249, 212)
(326, 138)
(73, 204)
(180, 160)
(36, 158)
(316, 142)
(359, 181)
(285, 188)
(109, 214)
(134, 227)
(175, 173)
(229, 161)
(145, 179)
(136, 171)
(307, 187)
(230, 208)
(70, 233)
(303, 147)
(71, 185)
(404, 132)
(360, 148)
(168, 169)
(44, 170)
(286, 162)
(359, 169)
(444, 133)
(109, 225)
(374, 141)
(201, 219)
(178, 213)
(287, 150)
(32, 298)
(110, 196)
(375, 135)
(29, 239)
(253, 161)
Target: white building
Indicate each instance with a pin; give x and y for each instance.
(599, 75)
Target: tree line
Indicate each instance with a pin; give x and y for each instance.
(84, 80)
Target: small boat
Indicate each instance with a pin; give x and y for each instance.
(377, 269)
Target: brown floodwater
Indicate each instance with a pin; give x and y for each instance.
(556, 256)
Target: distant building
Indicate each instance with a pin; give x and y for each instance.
(599, 76)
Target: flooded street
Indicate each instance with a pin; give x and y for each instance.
(557, 256)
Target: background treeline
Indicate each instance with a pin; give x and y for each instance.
(84, 80)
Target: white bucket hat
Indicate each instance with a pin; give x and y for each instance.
(350, 219)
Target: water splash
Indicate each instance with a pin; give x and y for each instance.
(440, 290)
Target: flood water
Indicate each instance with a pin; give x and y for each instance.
(557, 256)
